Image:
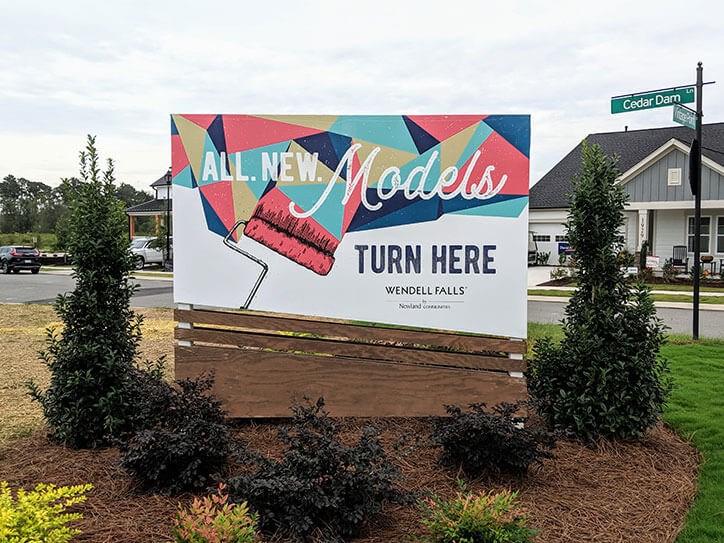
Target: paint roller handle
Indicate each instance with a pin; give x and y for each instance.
(264, 267)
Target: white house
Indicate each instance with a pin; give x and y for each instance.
(655, 174)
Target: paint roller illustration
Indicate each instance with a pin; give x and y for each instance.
(302, 240)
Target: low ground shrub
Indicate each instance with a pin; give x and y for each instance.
(188, 440)
(497, 440)
(320, 485)
(475, 518)
(39, 515)
(214, 520)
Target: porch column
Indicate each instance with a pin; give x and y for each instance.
(643, 229)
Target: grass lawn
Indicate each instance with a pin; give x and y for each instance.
(696, 411)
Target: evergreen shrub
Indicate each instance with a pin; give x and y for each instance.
(606, 378)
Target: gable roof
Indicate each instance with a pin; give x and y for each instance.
(164, 180)
(632, 147)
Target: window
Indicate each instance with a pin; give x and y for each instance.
(705, 234)
(541, 237)
(674, 179)
(561, 238)
(720, 235)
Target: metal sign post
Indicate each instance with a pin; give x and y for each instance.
(697, 201)
(676, 96)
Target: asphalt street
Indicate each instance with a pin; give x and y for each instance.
(158, 292)
(43, 288)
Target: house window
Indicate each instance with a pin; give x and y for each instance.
(720, 235)
(561, 238)
(541, 237)
(703, 239)
(674, 179)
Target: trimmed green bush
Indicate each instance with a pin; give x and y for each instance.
(606, 378)
(88, 403)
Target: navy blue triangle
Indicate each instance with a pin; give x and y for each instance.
(322, 144)
(423, 141)
(174, 130)
(396, 211)
(514, 128)
(216, 133)
(212, 219)
(457, 204)
(341, 143)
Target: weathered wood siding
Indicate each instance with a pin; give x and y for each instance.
(262, 362)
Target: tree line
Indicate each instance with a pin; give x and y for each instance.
(32, 206)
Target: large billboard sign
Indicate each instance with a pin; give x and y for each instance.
(416, 220)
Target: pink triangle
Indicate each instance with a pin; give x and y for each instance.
(506, 160)
(244, 132)
(221, 198)
(204, 121)
(179, 160)
(441, 127)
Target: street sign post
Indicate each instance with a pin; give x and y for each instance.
(684, 115)
(676, 96)
(652, 99)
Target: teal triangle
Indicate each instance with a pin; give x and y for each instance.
(209, 147)
(252, 165)
(506, 208)
(432, 177)
(184, 178)
(478, 138)
(330, 214)
(384, 130)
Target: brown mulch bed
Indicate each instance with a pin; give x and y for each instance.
(618, 492)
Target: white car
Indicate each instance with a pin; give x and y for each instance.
(140, 247)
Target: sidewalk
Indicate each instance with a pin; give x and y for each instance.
(541, 274)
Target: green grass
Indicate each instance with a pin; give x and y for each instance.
(686, 298)
(696, 411)
(43, 241)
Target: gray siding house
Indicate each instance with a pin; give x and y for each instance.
(655, 174)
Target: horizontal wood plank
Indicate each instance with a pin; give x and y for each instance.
(352, 332)
(353, 350)
(262, 384)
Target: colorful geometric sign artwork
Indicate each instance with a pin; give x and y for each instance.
(300, 185)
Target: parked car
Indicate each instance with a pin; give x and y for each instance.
(14, 258)
(145, 253)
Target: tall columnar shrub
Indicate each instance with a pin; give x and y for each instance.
(606, 377)
(89, 400)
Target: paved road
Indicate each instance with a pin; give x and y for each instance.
(711, 322)
(45, 286)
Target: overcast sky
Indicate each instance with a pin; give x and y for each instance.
(118, 69)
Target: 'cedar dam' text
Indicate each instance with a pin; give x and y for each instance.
(442, 259)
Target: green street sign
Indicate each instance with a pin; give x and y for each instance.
(685, 116)
(662, 98)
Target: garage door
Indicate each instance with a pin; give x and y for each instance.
(548, 236)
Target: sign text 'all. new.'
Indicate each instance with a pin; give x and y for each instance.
(669, 97)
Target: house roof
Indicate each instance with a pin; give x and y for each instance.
(164, 180)
(632, 147)
(152, 207)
